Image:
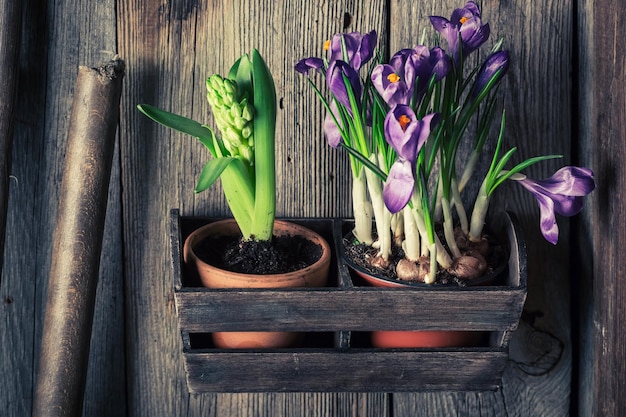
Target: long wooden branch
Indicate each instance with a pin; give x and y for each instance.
(10, 35)
(78, 236)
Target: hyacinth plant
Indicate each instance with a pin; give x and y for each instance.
(244, 108)
(402, 124)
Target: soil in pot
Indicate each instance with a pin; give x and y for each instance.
(282, 254)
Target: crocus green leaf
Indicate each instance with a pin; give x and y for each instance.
(180, 123)
(211, 172)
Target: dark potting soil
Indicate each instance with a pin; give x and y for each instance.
(281, 254)
(359, 254)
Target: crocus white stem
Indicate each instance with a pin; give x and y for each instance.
(438, 212)
(448, 228)
(362, 209)
(469, 169)
(411, 243)
(381, 215)
(443, 258)
(432, 274)
(460, 209)
(479, 213)
(397, 225)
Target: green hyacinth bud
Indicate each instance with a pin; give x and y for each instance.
(234, 118)
(247, 131)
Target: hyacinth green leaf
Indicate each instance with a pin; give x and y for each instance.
(264, 132)
(241, 73)
(211, 172)
(239, 192)
(180, 123)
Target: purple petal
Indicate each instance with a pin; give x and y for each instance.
(405, 133)
(400, 126)
(337, 85)
(494, 67)
(562, 193)
(569, 181)
(449, 31)
(440, 63)
(473, 8)
(399, 185)
(393, 92)
(473, 35)
(549, 228)
(304, 65)
(568, 206)
(359, 48)
(331, 130)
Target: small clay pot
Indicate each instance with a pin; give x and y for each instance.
(315, 275)
(417, 338)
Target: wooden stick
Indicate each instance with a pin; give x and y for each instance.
(77, 244)
(10, 34)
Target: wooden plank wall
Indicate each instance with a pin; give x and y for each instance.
(58, 36)
(170, 48)
(601, 302)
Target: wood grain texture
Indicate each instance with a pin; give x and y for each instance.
(538, 101)
(56, 38)
(10, 34)
(360, 370)
(602, 295)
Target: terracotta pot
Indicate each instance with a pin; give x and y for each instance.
(315, 275)
(420, 338)
(437, 338)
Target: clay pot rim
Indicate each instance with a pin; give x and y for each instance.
(202, 231)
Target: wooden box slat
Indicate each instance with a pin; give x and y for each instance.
(357, 371)
(342, 313)
(206, 310)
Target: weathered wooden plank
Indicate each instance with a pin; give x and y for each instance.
(56, 38)
(171, 48)
(357, 371)
(301, 404)
(10, 34)
(538, 101)
(601, 298)
(335, 310)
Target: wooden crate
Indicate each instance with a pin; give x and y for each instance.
(336, 355)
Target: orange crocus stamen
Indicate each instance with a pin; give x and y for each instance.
(404, 121)
(327, 45)
(463, 19)
(393, 77)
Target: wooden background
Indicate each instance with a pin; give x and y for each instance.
(565, 94)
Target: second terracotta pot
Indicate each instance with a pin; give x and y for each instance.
(418, 338)
(315, 275)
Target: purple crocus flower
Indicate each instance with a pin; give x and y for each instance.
(358, 47)
(464, 25)
(406, 135)
(440, 63)
(396, 81)
(337, 85)
(435, 62)
(562, 193)
(304, 65)
(494, 67)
